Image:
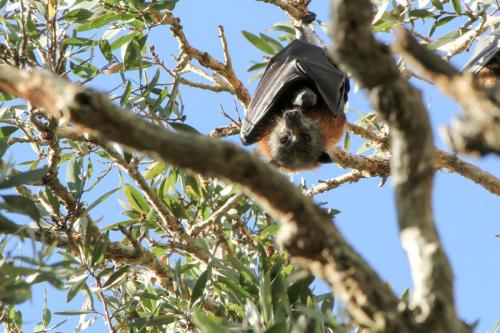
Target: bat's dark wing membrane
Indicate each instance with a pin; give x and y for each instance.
(485, 50)
(299, 61)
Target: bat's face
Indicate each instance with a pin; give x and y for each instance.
(295, 141)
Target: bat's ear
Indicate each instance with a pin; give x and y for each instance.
(324, 158)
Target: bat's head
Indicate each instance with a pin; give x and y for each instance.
(295, 141)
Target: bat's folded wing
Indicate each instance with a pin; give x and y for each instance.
(487, 47)
(329, 81)
(274, 83)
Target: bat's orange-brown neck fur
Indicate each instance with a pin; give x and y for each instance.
(332, 129)
(489, 74)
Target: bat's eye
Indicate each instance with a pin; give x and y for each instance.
(306, 137)
(285, 140)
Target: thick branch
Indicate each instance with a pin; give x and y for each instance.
(479, 130)
(296, 9)
(401, 105)
(306, 232)
(368, 166)
(444, 161)
(472, 172)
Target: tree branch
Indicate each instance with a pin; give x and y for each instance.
(330, 184)
(467, 170)
(401, 105)
(213, 221)
(188, 52)
(478, 131)
(296, 9)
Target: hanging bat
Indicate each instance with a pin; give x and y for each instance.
(297, 112)
(485, 60)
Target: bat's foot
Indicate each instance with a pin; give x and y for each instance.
(309, 18)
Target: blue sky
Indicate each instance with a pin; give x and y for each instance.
(467, 216)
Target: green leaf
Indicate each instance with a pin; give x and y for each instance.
(115, 276)
(437, 4)
(123, 40)
(269, 231)
(98, 22)
(16, 292)
(3, 146)
(47, 315)
(74, 177)
(245, 272)
(284, 27)
(200, 285)
(155, 169)
(83, 69)
(278, 328)
(171, 104)
(421, 13)
(347, 141)
(115, 226)
(15, 270)
(22, 205)
(265, 299)
(132, 56)
(181, 127)
(7, 226)
(444, 20)
(73, 312)
(99, 251)
(209, 323)
(6, 131)
(142, 323)
(101, 199)
(264, 263)
(53, 200)
(235, 287)
(77, 15)
(440, 22)
(24, 178)
(274, 44)
(73, 291)
(105, 48)
(457, 6)
(152, 83)
(136, 199)
(328, 302)
(126, 94)
(257, 66)
(448, 38)
(259, 42)
(77, 41)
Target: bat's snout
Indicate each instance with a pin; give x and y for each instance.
(292, 119)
